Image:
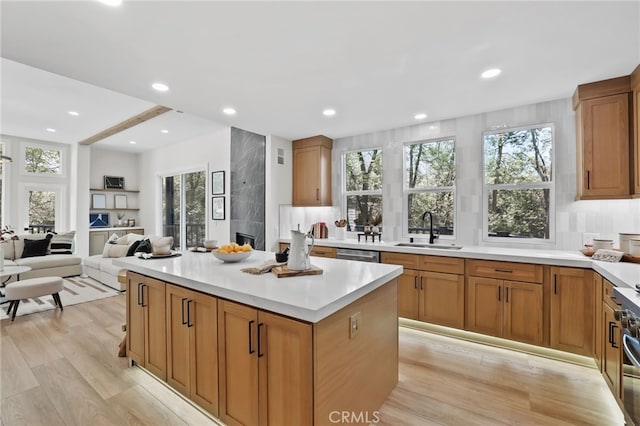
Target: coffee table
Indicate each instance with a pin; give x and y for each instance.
(8, 272)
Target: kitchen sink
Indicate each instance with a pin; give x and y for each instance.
(430, 246)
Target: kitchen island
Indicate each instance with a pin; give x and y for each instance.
(260, 349)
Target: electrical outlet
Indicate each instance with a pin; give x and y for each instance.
(355, 322)
(587, 237)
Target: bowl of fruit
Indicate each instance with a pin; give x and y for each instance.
(233, 252)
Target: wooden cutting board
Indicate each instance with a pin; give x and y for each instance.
(284, 272)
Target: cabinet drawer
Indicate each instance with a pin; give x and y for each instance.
(505, 270)
(447, 265)
(607, 289)
(321, 251)
(407, 260)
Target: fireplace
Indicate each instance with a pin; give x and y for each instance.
(245, 238)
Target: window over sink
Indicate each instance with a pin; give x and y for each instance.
(519, 183)
(363, 188)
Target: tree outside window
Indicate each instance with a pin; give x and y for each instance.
(363, 188)
(518, 182)
(430, 175)
(42, 160)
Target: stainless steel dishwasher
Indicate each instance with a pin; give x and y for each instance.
(359, 255)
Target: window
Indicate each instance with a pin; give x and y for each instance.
(429, 186)
(42, 207)
(2, 191)
(43, 160)
(184, 208)
(518, 183)
(363, 188)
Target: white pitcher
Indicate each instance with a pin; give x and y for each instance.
(299, 252)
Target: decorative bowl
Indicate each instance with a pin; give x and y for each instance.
(232, 257)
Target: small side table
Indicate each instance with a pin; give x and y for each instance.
(373, 236)
(8, 272)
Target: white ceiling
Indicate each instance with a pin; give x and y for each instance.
(281, 63)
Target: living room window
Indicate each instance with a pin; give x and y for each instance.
(43, 160)
(518, 183)
(184, 208)
(429, 186)
(363, 188)
(42, 207)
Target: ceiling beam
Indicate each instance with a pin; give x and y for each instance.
(126, 124)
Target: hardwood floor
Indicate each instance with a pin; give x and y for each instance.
(61, 368)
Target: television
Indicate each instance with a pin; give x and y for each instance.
(98, 220)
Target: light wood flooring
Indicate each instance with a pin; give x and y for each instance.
(62, 369)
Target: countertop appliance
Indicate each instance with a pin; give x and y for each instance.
(629, 318)
(360, 255)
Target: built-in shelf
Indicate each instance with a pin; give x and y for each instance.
(114, 190)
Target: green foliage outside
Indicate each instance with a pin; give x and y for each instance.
(517, 164)
(40, 160)
(42, 208)
(363, 173)
(195, 207)
(430, 167)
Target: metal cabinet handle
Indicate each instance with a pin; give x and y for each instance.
(610, 333)
(613, 340)
(139, 295)
(189, 324)
(588, 179)
(318, 194)
(499, 296)
(260, 353)
(555, 284)
(421, 283)
(142, 294)
(251, 350)
(415, 282)
(506, 298)
(182, 314)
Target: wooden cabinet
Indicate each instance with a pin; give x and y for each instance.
(498, 305)
(597, 320)
(192, 345)
(635, 108)
(430, 289)
(322, 251)
(264, 354)
(97, 239)
(312, 171)
(146, 326)
(572, 309)
(612, 344)
(603, 139)
(508, 309)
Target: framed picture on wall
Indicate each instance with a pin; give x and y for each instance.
(217, 208)
(120, 201)
(98, 201)
(217, 183)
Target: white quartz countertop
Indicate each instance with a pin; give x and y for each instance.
(620, 274)
(309, 298)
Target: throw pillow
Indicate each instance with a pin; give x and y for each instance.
(62, 243)
(144, 246)
(113, 238)
(115, 250)
(132, 247)
(33, 248)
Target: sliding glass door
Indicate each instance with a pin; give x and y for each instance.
(183, 208)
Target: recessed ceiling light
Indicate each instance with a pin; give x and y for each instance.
(420, 116)
(160, 87)
(164, 131)
(132, 142)
(490, 73)
(49, 129)
(329, 112)
(112, 3)
(74, 113)
(229, 111)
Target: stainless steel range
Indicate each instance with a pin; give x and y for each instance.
(629, 318)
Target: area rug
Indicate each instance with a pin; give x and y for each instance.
(76, 290)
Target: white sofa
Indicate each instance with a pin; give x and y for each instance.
(58, 261)
(100, 266)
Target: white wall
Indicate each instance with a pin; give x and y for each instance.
(80, 199)
(278, 187)
(572, 218)
(209, 152)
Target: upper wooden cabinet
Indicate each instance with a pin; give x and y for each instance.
(635, 108)
(603, 139)
(312, 171)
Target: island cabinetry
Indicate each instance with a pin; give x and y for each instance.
(572, 309)
(603, 139)
(146, 326)
(635, 108)
(266, 367)
(505, 307)
(430, 289)
(192, 350)
(612, 352)
(598, 344)
(312, 171)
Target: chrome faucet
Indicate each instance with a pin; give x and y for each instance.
(432, 237)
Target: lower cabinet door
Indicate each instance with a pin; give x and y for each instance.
(135, 318)
(484, 305)
(285, 364)
(238, 358)
(442, 299)
(178, 346)
(202, 320)
(155, 343)
(523, 312)
(612, 355)
(409, 294)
